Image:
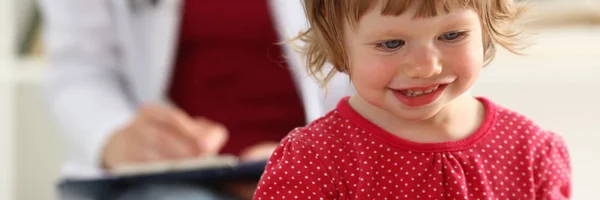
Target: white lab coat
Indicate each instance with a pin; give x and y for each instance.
(107, 57)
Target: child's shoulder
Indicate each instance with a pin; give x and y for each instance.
(512, 120)
(320, 131)
(517, 126)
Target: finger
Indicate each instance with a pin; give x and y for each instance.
(124, 155)
(147, 143)
(175, 146)
(137, 153)
(258, 152)
(171, 118)
(149, 155)
(172, 143)
(213, 136)
(165, 143)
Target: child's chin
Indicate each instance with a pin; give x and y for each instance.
(416, 115)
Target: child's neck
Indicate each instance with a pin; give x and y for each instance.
(457, 120)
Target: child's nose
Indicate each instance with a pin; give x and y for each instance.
(423, 63)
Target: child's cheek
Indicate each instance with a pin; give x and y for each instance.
(466, 62)
(373, 71)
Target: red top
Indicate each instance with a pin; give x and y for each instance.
(344, 156)
(230, 70)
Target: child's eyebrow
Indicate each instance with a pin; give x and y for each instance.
(386, 33)
(440, 23)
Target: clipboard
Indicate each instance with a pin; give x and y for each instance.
(206, 170)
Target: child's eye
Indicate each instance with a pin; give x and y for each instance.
(391, 45)
(452, 36)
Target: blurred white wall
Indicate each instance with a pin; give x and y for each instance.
(6, 100)
(38, 147)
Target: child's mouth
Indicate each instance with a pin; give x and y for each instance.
(421, 96)
(419, 92)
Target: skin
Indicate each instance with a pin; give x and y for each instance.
(390, 53)
(162, 133)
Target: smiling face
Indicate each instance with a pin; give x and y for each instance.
(413, 67)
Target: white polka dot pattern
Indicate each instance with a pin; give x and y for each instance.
(337, 158)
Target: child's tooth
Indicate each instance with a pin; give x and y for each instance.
(411, 93)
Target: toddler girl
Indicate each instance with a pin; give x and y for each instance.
(412, 131)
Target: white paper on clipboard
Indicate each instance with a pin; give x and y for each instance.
(221, 161)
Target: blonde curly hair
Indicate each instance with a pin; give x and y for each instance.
(323, 41)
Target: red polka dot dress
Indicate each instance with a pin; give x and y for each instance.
(344, 156)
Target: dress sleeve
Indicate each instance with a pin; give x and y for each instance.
(295, 172)
(554, 170)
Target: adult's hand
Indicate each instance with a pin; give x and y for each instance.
(160, 133)
(258, 151)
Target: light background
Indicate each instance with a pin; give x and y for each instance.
(556, 85)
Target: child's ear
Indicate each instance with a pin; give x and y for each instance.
(323, 12)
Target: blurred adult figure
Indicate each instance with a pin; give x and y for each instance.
(136, 81)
